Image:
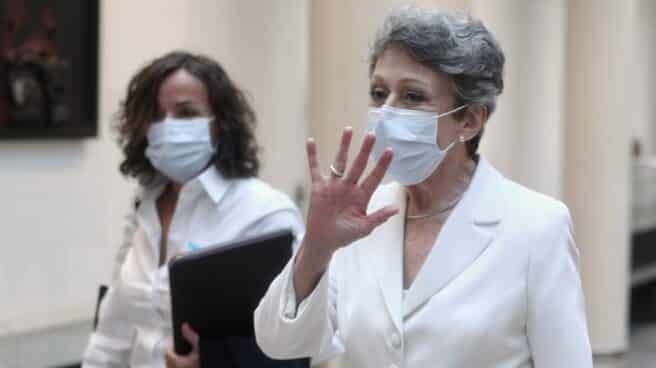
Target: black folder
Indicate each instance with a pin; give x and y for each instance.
(216, 289)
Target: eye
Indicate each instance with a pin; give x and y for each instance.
(414, 97)
(186, 112)
(378, 95)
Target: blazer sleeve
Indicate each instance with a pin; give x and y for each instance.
(556, 325)
(285, 330)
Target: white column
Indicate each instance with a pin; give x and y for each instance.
(342, 31)
(597, 161)
(450, 5)
(643, 76)
(524, 136)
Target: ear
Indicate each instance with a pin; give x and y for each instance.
(474, 120)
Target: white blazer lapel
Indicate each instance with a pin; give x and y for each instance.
(382, 250)
(466, 234)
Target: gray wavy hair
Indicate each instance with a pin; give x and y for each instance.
(455, 44)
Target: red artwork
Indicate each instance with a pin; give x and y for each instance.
(37, 88)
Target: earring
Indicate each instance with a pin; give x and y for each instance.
(462, 139)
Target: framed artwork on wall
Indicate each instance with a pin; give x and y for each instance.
(48, 68)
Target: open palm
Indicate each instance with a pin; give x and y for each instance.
(337, 215)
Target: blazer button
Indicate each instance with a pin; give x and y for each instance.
(395, 339)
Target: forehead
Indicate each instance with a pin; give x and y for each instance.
(395, 66)
(181, 86)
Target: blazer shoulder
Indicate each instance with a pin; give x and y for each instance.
(534, 211)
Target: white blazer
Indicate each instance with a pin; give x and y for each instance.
(500, 288)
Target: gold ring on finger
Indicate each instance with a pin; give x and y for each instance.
(336, 172)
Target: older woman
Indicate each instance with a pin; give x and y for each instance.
(451, 265)
(187, 133)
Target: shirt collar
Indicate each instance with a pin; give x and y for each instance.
(214, 183)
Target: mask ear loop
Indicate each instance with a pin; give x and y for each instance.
(452, 111)
(460, 139)
(448, 148)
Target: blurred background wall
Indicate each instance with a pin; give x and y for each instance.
(63, 202)
(579, 91)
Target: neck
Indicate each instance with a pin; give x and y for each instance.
(173, 189)
(444, 187)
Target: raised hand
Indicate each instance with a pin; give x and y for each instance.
(337, 215)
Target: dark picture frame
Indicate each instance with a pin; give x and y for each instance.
(49, 69)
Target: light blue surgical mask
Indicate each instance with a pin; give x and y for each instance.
(180, 148)
(412, 135)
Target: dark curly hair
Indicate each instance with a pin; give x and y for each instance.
(235, 120)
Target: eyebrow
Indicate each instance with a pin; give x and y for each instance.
(404, 80)
(184, 103)
(414, 80)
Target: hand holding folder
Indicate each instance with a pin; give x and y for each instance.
(216, 289)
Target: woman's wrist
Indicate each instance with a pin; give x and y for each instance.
(315, 255)
(311, 263)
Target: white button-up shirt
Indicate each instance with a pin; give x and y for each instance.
(135, 316)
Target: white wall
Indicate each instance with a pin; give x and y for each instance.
(62, 203)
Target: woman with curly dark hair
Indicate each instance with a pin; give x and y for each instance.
(187, 135)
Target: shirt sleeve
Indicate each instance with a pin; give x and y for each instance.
(128, 233)
(556, 327)
(111, 343)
